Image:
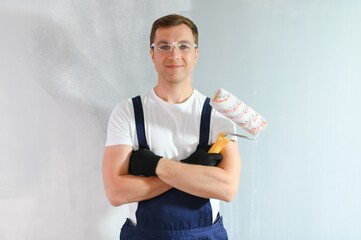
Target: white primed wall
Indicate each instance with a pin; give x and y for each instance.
(65, 64)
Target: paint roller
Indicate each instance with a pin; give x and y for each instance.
(238, 112)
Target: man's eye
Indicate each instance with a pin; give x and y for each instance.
(164, 47)
(184, 47)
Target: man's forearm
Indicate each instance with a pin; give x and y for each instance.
(129, 188)
(219, 182)
(202, 181)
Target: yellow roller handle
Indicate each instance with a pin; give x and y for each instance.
(219, 143)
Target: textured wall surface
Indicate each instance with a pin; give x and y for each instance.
(65, 64)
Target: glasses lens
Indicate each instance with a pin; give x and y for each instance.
(165, 47)
(184, 47)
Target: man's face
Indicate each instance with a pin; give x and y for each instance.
(175, 66)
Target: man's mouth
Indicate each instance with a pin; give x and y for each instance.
(174, 66)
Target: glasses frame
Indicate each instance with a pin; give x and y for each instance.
(172, 45)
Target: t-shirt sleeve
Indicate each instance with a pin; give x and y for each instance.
(120, 124)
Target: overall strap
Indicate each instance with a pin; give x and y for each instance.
(205, 123)
(139, 122)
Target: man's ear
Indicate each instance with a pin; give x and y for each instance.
(151, 52)
(196, 55)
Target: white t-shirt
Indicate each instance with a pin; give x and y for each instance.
(172, 130)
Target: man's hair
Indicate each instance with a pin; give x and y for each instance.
(171, 21)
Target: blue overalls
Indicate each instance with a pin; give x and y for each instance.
(174, 214)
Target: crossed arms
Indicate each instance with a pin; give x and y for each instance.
(220, 182)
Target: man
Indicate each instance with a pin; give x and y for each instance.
(156, 151)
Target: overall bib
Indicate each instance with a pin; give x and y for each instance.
(173, 214)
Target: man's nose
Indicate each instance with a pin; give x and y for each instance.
(175, 50)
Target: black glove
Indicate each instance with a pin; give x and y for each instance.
(143, 162)
(202, 157)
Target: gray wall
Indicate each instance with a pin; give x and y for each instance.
(65, 64)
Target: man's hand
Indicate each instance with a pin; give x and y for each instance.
(202, 157)
(143, 162)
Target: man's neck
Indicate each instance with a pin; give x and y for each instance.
(173, 94)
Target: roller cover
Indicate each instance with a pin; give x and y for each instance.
(238, 112)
